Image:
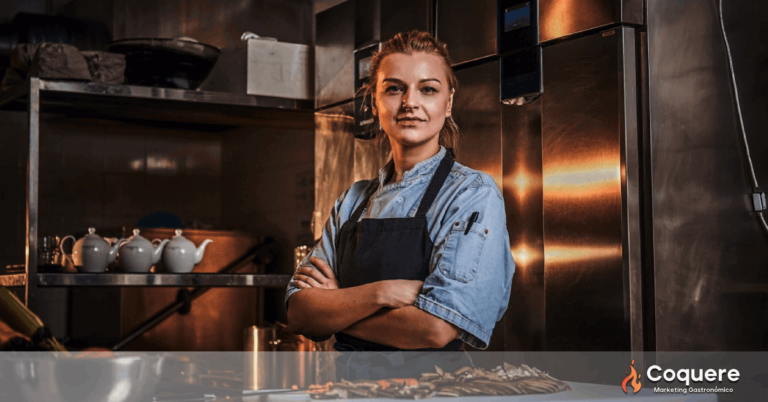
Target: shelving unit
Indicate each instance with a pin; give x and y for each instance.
(204, 110)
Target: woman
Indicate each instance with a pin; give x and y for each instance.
(418, 258)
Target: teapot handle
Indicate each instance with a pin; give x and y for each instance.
(158, 242)
(64, 253)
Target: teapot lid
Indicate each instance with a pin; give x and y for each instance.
(137, 239)
(92, 239)
(180, 241)
(92, 234)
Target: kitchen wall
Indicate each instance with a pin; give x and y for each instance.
(110, 174)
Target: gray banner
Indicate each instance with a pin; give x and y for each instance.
(293, 376)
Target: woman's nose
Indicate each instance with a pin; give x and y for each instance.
(410, 99)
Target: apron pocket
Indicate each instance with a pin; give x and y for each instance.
(461, 253)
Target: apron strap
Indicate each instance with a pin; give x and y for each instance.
(443, 170)
(359, 211)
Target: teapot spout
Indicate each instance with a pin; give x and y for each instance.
(201, 250)
(158, 251)
(113, 250)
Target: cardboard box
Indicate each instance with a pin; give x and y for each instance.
(279, 69)
(264, 67)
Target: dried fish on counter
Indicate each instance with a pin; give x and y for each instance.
(466, 381)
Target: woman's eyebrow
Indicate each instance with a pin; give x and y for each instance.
(420, 81)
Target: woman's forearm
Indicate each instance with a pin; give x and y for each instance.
(405, 328)
(321, 312)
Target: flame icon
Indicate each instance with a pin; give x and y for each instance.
(635, 380)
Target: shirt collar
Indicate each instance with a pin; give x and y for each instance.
(426, 166)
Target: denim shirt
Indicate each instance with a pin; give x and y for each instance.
(470, 274)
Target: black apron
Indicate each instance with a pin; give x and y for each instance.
(374, 250)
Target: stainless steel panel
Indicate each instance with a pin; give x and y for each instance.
(334, 160)
(561, 18)
(710, 253)
(334, 44)
(468, 27)
(477, 112)
(367, 22)
(521, 154)
(583, 185)
(405, 15)
(632, 251)
(369, 158)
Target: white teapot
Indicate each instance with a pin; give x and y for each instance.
(180, 255)
(91, 253)
(138, 255)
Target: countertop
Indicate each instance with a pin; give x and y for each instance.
(578, 392)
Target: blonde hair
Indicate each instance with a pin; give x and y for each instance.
(409, 43)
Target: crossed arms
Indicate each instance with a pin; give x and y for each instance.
(380, 312)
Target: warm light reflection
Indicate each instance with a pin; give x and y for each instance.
(557, 19)
(582, 180)
(524, 255)
(521, 183)
(161, 162)
(137, 165)
(563, 254)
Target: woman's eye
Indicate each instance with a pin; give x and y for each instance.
(429, 89)
(393, 88)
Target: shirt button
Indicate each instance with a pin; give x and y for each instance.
(399, 199)
(486, 231)
(456, 224)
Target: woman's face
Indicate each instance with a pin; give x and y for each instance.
(413, 98)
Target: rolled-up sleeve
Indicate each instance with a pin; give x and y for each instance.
(471, 270)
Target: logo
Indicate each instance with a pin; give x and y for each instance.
(635, 380)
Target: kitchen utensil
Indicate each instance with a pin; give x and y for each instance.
(48, 251)
(259, 368)
(174, 63)
(91, 253)
(137, 254)
(69, 378)
(181, 255)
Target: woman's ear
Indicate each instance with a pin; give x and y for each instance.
(450, 104)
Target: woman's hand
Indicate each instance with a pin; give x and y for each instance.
(308, 277)
(398, 293)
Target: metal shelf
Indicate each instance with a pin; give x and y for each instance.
(130, 102)
(199, 110)
(165, 280)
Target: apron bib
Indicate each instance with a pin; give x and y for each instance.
(374, 250)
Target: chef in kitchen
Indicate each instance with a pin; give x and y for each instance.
(418, 258)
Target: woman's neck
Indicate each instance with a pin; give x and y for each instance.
(405, 158)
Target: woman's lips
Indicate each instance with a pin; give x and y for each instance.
(409, 122)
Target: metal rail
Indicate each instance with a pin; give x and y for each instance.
(162, 280)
